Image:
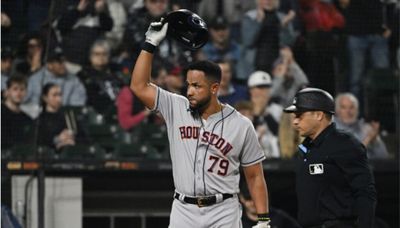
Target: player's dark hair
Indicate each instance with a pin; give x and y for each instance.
(45, 91)
(19, 80)
(210, 69)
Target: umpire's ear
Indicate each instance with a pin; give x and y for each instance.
(320, 115)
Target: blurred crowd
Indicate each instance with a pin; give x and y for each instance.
(66, 68)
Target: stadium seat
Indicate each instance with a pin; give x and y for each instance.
(82, 151)
(106, 135)
(28, 151)
(124, 151)
(155, 135)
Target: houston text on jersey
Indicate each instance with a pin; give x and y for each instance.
(192, 132)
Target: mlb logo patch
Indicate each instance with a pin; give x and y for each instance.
(316, 168)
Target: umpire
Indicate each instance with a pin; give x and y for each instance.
(334, 184)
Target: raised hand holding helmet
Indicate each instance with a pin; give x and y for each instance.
(156, 33)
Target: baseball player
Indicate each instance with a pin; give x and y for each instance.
(209, 141)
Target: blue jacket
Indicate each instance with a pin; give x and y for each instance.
(73, 91)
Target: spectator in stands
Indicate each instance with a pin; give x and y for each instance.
(265, 29)
(289, 139)
(230, 92)
(102, 86)
(266, 113)
(119, 17)
(80, 26)
(367, 34)
(159, 72)
(174, 80)
(321, 21)
(130, 5)
(268, 141)
(291, 8)
(131, 111)
(7, 59)
(138, 21)
(30, 56)
(16, 125)
(233, 11)
(245, 108)
(288, 78)
(37, 12)
(347, 107)
(73, 91)
(13, 22)
(53, 130)
(221, 47)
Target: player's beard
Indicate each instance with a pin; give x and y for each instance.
(201, 104)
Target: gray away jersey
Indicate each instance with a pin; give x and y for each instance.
(206, 154)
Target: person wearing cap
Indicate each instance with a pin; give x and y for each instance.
(334, 183)
(73, 91)
(267, 114)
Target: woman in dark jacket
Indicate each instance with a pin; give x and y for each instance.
(54, 130)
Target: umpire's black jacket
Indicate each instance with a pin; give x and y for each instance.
(334, 181)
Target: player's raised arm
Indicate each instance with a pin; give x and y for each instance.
(140, 81)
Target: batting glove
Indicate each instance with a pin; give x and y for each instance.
(263, 221)
(156, 33)
(262, 225)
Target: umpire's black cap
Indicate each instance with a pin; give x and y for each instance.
(312, 99)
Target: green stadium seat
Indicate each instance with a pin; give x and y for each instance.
(155, 135)
(124, 151)
(82, 151)
(28, 151)
(106, 135)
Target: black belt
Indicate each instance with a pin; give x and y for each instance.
(202, 201)
(345, 223)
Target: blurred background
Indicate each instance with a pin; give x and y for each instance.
(79, 150)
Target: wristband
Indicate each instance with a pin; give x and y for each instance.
(263, 217)
(148, 47)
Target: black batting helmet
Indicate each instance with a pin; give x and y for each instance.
(312, 99)
(187, 28)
